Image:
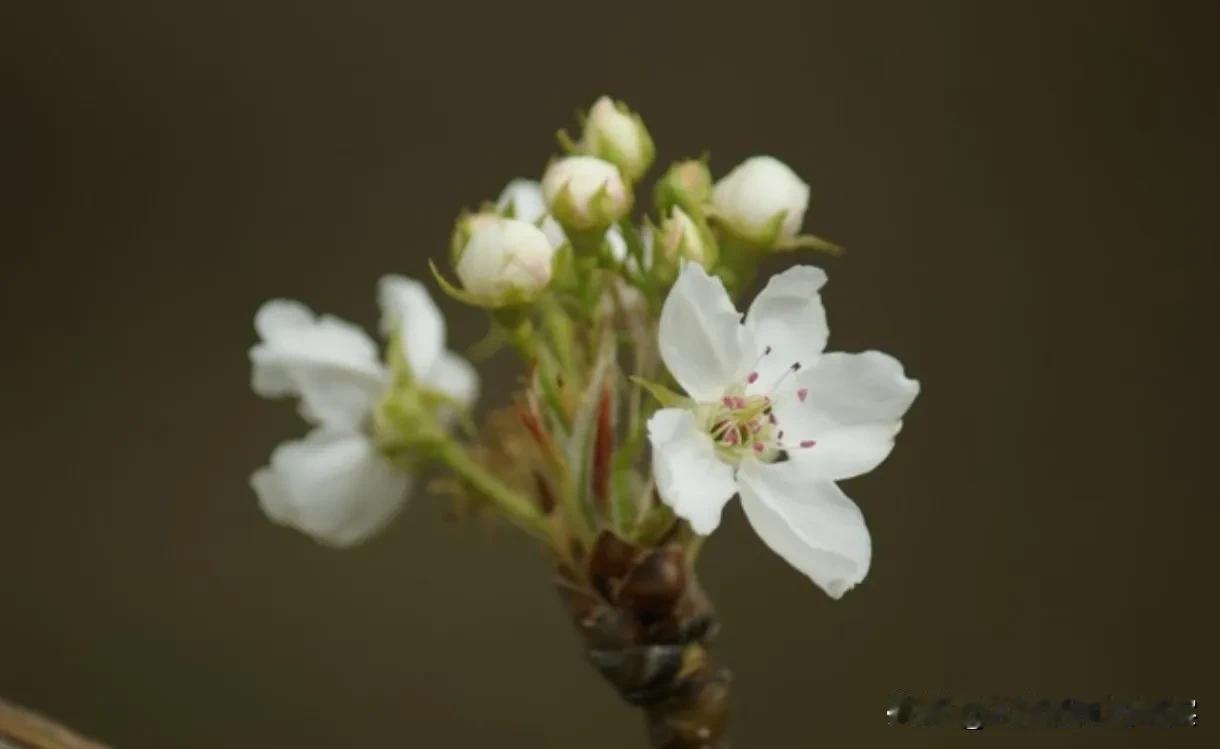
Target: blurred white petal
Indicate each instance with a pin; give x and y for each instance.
(408, 309)
(333, 486)
(331, 364)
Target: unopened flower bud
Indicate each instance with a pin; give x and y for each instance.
(465, 227)
(522, 199)
(505, 262)
(687, 184)
(585, 193)
(761, 202)
(680, 239)
(615, 133)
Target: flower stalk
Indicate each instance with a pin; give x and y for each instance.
(517, 508)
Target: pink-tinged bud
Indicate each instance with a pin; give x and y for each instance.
(585, 193)
(615, 133)
(758, 447)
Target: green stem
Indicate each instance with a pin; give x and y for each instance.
(518, 509)
(532, 348)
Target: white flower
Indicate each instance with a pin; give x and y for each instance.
(524, 196)
(615, 133)
(505, 261)
(762, 201)
(334, 485)
(584, 192)
(774, 419)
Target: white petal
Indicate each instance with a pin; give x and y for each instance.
(844, 390)
(845, 452)
(281, 316)
(701, 338)
(788, 317)
(810, 523)
(407, 308)
(331, 364)
(333, 486)
(617, 243)
(553, 231)
(453, 376)
(690, 478)
(525, 198)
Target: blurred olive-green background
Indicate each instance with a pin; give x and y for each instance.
(1027, 192)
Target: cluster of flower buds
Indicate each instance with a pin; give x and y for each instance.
(582, 207)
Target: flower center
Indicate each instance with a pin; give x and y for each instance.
(743, 425)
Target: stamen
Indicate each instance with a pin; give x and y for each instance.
(753, 376)
(759, 447)
(806, 444)
(794, 368)
(731, 438)
(802, 394)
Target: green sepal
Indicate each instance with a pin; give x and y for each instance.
(810, 242)
(513, 298)
(635, 243)
(761, 241)
(566, 144)
(452, 291)
(666, 397)
(397, 362)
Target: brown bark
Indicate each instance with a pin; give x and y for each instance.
(647, 628)
(24, 729)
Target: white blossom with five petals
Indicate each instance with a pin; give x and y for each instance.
(335, 485)
(774, 419)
